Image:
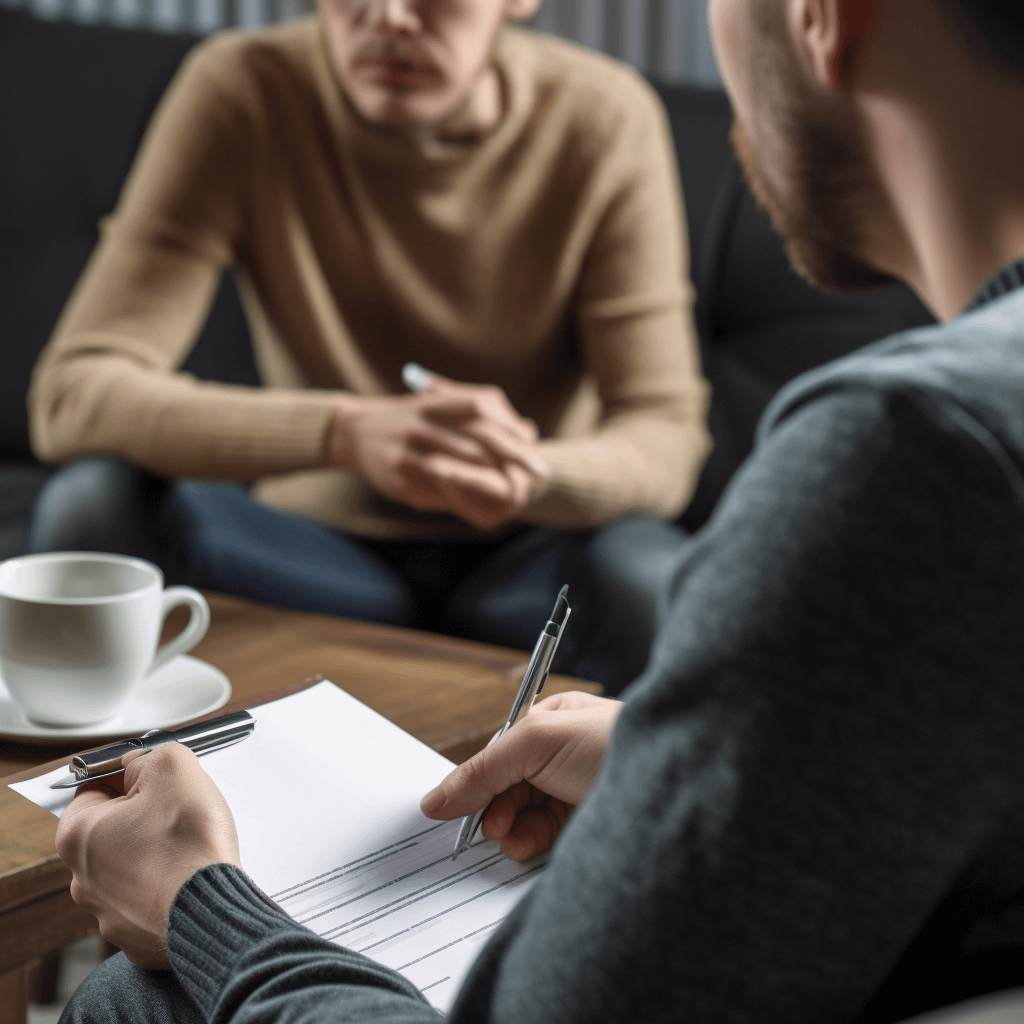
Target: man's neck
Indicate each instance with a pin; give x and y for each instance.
(945, 136)
(962, 214)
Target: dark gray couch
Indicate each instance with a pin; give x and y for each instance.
(74, 102)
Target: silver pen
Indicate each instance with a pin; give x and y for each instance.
(533, 681)
(102, 762)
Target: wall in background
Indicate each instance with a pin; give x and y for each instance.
(666, 39)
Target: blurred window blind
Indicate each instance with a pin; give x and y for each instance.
(665, 39)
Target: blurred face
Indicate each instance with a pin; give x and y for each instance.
(801, 147)
(414, 62)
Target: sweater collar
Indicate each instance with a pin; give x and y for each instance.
(1000, 283)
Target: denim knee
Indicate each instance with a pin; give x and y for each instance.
(626, 566)
(97, 504)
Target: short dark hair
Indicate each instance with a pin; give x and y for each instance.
(998, 26)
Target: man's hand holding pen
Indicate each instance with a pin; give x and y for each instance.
(533, 776)
(132, 841)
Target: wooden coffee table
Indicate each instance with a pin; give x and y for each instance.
(451, 694)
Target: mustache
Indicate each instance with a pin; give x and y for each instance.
(393, 49)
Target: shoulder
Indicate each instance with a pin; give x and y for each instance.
(586, 92)
(238, 65)
(964, 377)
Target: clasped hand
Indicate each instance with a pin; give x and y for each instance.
(456, 448)
(132, 845)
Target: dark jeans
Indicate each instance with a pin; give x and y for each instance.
(217, 537)
(118, 992)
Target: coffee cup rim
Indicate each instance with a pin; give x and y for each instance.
(80, 556)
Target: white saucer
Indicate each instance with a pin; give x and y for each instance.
(184, 688)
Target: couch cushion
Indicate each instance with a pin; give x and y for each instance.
(19, 485)
(699, 119)
(74, 102)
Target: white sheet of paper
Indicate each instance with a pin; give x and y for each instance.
(325, 795)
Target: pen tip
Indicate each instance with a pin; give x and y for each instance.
(561, 606)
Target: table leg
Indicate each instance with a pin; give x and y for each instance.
(14, 996)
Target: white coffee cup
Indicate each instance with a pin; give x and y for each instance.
(79, 629)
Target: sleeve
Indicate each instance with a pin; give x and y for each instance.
(241, 959)
(633, 310)
(106, 383)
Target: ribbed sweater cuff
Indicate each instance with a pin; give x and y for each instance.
(216, 918)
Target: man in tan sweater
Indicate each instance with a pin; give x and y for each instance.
(393, 181)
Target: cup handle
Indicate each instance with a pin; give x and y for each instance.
(198, 623)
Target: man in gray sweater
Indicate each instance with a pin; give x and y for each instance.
(811, 805)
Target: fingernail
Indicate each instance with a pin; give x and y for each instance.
(433, 801)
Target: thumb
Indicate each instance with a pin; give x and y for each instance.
(435, 382)
(77, 818)
(90, 795)
(476, 782)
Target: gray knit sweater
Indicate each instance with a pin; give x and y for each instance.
(813, 804)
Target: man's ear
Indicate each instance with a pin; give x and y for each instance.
(829, 34)
(521, 10)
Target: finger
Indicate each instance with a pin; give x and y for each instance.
(425, 379)
(500, 817)
(461, 401)
(473, 785)
(484, 483)
(535, 831)
(74, 824)
(571, 700)
(504, 766)
(482, 495)
(421, 488)
(511, 433)
(460, 408)
(89, 796)
(165, 765)
(481, 490)
(487, 510)
(428, 436)
(521, 483)
(505, 807)
(484, 511)
(507, 447)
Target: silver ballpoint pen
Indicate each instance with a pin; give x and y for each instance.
(533, 681)
(102, 762)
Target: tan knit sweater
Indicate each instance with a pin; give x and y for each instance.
(547, 257)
